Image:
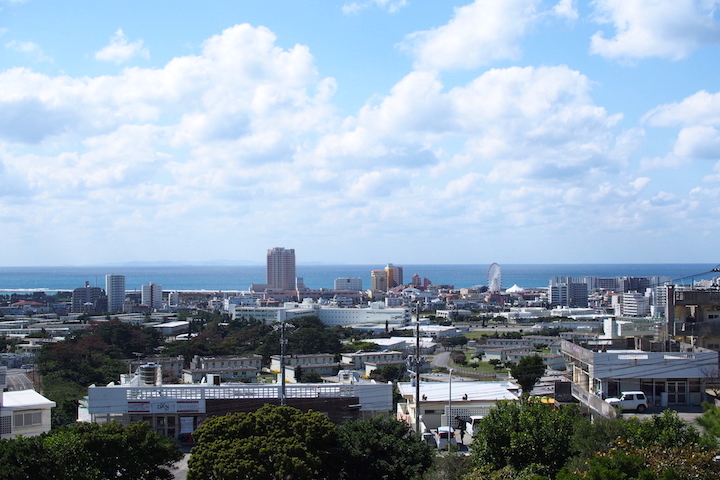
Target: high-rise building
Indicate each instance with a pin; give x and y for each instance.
(348, 283)
(281, 268)
(88, 299)
(115, 291)
(568, 292)
(378, 281)
(152, 295)
(394, 275)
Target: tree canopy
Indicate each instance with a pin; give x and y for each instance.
(527, 372)
(270, 443)
(382, 447)
(533, 441)
(522, 434)
(89, 356)
(90, 451)
(284, 443)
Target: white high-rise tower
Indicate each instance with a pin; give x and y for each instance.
(115, 291)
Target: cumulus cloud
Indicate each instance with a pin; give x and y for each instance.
(391, 6)
(700, 142)
(700, 108)
(30, 49)
(517, 125)
(248, 130)
(566, 9)
(120, 50)
(477, 35)
(649, 28)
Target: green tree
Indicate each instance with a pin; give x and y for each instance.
(388, 373)
(90, 451)
(620, 465)
(24, 458)
(521, 434)
(382, 447)
(710, 419)
(665, 430)
(664, 446)
(527, 372)
(271, 443)
(448, 466)
(310, 377)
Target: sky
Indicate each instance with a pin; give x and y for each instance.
(359, 132)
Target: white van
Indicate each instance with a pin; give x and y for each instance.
(472, 424)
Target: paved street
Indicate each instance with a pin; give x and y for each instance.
(17, 379)
(181, 468)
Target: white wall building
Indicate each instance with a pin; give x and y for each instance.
(468, 399)
(177, 410)
(22, 412)
(359, 359)
(667, 378)
(348, 283)
(376, 313)
(634, 305)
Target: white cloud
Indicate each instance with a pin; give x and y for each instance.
(30, 49)
(700, 142)
(391, 6)
(120, 50)
(566, 9)
(652, 28)
(244, 136)
(701, 108)
(477, 35)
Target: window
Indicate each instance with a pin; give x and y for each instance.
(27, 419)
(5, 425)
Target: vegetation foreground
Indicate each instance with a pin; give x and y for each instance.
(518, 440)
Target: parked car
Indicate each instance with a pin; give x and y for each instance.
(628, 401)
(443, 436)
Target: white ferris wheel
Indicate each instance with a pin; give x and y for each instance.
(494, 278)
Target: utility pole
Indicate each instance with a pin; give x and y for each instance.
(283, 343)
(414, 362)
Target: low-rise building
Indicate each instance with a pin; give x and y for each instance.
(468, 399)
(358, 360)
(227, 367)
(303, 360)
(23, 412)
(177, 410)
(673, 376)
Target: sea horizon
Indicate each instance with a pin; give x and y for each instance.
(227, 277)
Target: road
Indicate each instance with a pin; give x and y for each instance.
(181, 468)
(441, 360)
(17, 379)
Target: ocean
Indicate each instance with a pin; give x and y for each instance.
(234, 278)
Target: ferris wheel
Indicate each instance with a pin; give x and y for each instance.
(494, 278)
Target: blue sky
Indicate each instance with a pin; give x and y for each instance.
(368, 131)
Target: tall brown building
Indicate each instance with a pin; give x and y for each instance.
(281, 268)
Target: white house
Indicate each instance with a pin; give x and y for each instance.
(468, 399)
(30, 412)
(667, 377)
(23, 412)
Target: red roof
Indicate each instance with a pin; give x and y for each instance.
(28, 303)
